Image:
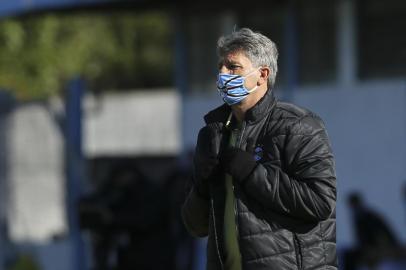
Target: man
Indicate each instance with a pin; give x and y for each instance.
(264, 180)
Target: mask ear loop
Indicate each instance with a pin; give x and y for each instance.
(256, 86)
(253, 89)
(251, 72)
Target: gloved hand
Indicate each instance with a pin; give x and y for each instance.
(205, 160)
(238, 163)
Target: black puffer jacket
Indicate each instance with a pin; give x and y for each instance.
(285, 210)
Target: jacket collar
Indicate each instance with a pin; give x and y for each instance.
(260, 110)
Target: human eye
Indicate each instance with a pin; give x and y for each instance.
(234, 67)
(225, 66)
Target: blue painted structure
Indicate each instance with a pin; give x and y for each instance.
(19, 7)
(74, 165)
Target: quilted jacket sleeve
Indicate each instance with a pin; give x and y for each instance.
(195, 210)
(298, 181)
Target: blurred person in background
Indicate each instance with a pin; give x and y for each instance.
(264, 184)
(375, 240)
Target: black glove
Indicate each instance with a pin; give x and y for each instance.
(238, 163)
(206, 158)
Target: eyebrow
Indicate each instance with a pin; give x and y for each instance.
(228, 63)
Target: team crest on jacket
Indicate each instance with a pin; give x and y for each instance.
(258, 153)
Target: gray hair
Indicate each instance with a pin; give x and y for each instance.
(258, 48)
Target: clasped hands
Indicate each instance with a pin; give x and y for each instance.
(233, 161)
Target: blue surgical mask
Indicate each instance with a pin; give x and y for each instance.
(232, 89)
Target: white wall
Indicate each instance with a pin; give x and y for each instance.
(36, 208)
(132, 123)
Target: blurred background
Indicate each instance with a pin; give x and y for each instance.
(101, 102)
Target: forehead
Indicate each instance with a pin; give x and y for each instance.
(236, 57)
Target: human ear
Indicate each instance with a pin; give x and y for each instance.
(265, 72)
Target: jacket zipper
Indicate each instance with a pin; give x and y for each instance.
(213, 213)
(215, 234)
(298, 251)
